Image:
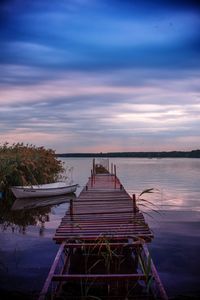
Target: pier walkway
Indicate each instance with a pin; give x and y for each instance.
(103, 208)
(103, 252)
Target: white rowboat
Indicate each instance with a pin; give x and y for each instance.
(43, 190)
(32, 203)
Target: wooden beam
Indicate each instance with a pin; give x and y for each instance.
(44, 291)
(99, 277)
(160, 288)
(101, 245)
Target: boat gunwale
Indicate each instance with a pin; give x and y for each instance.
(42, 189)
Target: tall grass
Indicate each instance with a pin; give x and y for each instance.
(22, 164)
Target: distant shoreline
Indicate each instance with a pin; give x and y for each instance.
(162, 154)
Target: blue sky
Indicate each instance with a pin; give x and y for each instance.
(84, 76)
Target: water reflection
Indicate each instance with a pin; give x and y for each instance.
(176, 245)
(18, 214)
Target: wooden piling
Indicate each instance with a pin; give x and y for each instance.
(134, 204)
(71, 209)
(115, 174)
(91, 178)
(93, 165)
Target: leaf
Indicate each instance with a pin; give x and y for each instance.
(150, 281)
(148, 266)
(147, 191)
(149, 202)
(96, 263)
(141, 264)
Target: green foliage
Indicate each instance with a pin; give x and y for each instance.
(27, 165)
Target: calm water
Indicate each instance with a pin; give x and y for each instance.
(27, 249)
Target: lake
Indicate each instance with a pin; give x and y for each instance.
(27, 249)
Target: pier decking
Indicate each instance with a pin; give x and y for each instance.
(103, 208)
(103, 253)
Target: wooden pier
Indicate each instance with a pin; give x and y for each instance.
(103, 253)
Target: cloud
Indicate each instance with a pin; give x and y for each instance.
(86, 75)
(85, 109)
(93, 36)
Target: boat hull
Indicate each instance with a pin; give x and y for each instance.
(29, 192)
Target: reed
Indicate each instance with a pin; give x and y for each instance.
(22, 164)
(146, 204)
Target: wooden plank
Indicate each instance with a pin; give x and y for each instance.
(95, 245)
(103, 209)
(104, 212)
(103, 277)
(94, 235)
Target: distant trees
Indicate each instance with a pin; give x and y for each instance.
(194, 153)
(163, 154)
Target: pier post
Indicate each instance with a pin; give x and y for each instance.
(91, 178)
(115, 176)
(93, 165)
(134, 204)
(94, 178)
(111, 168)
(71, 209)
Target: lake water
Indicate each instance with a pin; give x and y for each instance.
(27, 249)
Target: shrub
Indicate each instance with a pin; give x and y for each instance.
(27, 165)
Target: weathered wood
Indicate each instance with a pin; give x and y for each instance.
(103, 217)
(91, 180)
(103, 277)
(71, 209)
(51, 273)
(134, 204)
(103, 210)
(111, 245)
(93, 237)
(159, 286)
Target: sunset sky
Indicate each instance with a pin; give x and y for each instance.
(98, 76)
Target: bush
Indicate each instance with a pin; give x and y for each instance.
(27, 165)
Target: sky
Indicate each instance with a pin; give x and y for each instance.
(100, 75)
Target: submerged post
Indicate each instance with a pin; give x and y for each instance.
(134, 204)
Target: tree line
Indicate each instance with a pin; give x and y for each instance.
(162, 154)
